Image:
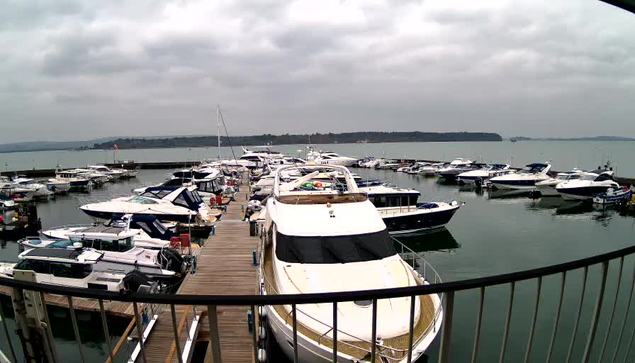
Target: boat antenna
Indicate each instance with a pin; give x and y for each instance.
(218, 129)
(226, 133)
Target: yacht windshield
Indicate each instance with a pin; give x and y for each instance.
(533, 168)
(141, 200)
(334, 249)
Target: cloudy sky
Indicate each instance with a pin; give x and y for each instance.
(76, 69)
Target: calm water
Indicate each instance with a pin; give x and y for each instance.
(564, 155)
(489, 235)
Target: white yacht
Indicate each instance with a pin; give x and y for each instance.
(484, 174)
(14, 191)
(456, 167)
(147, 232)
(525, 179)
(547, 188)
(175, 204)
(331, 239)
(119, 254)
(58, 186)
(401, 212)
(65, 267)
(589, 185)
(40, 191)
(330, 158)
(102, 169)
(432, 169)
(78, 181)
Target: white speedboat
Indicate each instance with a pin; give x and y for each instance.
(102, 169)
(525, 179)
(479, 177)
(172, 204)
(589, 185)
(432, 169)
(66, 267)
(331, 239)
(330, 158)
(40, 191)
(456, 167)
(547, 188)
(402, 214)
(146, 231)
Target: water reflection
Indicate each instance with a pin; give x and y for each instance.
(573, 210)
(509, 196)
(438, 240)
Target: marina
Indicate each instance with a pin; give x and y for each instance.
(233, 245)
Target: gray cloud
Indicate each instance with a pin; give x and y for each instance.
(150, 67)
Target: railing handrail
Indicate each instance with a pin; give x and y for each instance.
(244, 300)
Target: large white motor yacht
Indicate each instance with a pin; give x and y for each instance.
(321, 237)
(589, 185)
(525, 179)
(329, 158)
(483, 175)
(547, 188)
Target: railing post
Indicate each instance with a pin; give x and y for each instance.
(628, 308)
(479, 321)
(596, 314)
(214, 336)
(139, 331)
(533, 320)
(175, 330)
(577, 321)
(555, 324)
(78, 338)
(617, 295)
(295, 333)
(334, 331)
(104, 323)
(508, 322)
(446, 334)
(373, 346)
(411, 326)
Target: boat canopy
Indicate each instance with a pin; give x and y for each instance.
(334, 249)
(535, 167)
(151, 225)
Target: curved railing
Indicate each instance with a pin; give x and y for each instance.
(448, 289)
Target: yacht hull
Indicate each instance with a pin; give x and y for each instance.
(519, 184)
(582, 193)
(416, 221)
(162, 217)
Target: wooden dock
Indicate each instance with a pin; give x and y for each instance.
(225, 267)
(115, 308)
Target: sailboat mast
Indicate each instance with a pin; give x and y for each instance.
(218, 129)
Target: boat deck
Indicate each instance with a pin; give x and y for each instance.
(225, 267)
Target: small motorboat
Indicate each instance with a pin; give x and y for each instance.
(613, 196)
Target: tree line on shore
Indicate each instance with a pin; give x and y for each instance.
(287, 139)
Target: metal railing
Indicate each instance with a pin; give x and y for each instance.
(615, 321)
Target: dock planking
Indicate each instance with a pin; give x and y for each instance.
(225, 267)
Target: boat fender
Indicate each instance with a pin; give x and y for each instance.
(262, 312)
(263, 333)
(262, 355)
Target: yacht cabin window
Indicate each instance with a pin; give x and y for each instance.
(334, 249)
(384, 201)
(58, 269)
(141, 200)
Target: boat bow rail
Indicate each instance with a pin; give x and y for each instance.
(449, 291)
